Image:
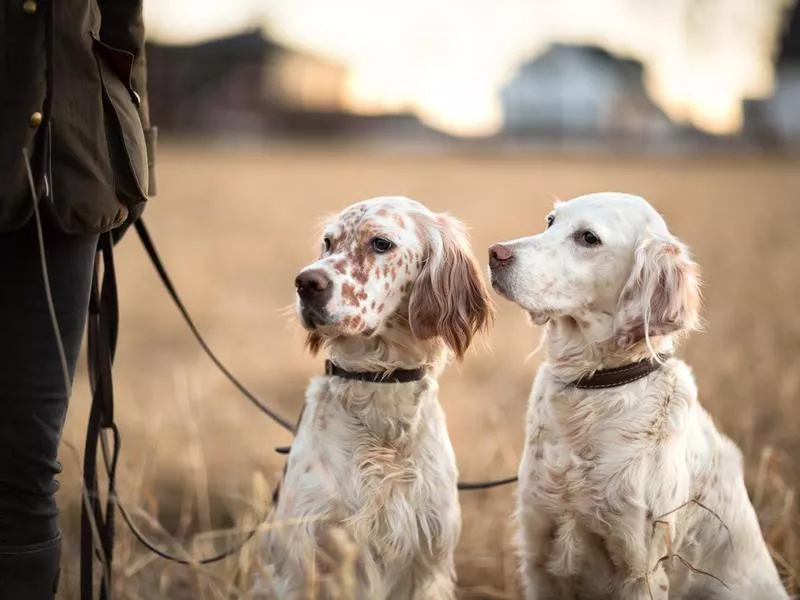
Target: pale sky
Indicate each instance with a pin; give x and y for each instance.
(447, 59)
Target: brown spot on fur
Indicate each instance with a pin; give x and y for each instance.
(349, 294)
(353, 322)
(340, 266)
(380, 307)
(361, 294)
(362, 262)
(399, 220)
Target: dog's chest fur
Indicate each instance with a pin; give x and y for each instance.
(574, 457)
(584, 453)
(377, 461)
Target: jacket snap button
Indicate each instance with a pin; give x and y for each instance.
(36, 119)
(29, 6)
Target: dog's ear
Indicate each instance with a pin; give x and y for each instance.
(662, 294)
(449, 298)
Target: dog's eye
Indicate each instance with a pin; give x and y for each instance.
(326, 244)
(381, 245)
(587, 238)
(550, 219)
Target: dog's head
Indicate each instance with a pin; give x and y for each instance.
(390, 262)
(609, 262)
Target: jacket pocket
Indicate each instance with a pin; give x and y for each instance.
(127, 144)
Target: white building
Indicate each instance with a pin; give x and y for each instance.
(574, 91)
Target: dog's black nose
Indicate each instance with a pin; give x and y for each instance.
(312, 285)
(499, 254)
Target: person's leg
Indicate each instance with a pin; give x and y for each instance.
(33, 398)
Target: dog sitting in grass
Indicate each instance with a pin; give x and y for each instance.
(368, 506)
(627, 489)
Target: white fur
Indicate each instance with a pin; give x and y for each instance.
(373, 461)
(602, 470)
(376, 460)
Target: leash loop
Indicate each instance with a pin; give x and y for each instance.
(103, 324)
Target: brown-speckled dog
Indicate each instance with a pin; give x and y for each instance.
(396, 290)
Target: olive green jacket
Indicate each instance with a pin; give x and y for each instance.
(73, 93)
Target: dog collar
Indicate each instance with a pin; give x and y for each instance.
(396, 376)
(618, 376)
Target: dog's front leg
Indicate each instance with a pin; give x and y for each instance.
(640, 547)
(535, 548)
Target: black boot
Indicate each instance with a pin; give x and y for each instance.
(30, 572)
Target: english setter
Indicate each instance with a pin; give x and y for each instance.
(625, 482)
(394, 293)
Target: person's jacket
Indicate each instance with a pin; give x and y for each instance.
(73, 94)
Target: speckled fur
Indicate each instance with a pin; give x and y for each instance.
(603, 469)
(375, 459)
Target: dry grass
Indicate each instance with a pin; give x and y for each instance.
(234, 226)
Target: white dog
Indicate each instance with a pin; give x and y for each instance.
(627, 489)
(395, 291)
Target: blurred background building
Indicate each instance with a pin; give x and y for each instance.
(661, 76)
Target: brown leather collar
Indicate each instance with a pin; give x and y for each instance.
(610, 378)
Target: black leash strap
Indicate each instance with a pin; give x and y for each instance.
(103, 322)
(465, 486)
(150, 248)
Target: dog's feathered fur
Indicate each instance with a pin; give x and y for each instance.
(375, 459)
(616, 484)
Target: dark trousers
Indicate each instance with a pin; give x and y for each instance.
(34, 396)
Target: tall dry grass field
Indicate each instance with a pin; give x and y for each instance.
(234, 227)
